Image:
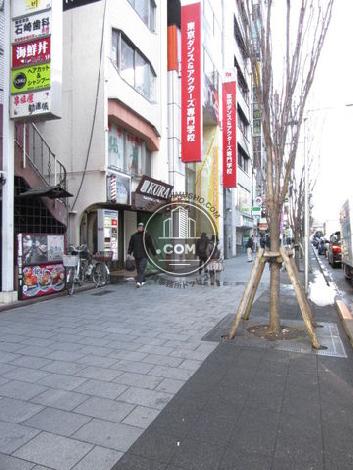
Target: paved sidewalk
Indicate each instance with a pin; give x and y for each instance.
(255, 407)
(82, 377)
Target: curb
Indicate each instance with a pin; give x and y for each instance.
(346, 317)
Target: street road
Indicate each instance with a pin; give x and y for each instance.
(344, 287)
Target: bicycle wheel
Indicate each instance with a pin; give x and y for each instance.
(70, 280)
(99, 275)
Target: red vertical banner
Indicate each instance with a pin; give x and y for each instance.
(191, 106)
(229, 124)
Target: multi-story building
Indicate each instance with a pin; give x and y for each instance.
(238, 221)
(119, 135)
(113, 132)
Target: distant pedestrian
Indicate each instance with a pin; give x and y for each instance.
(250, 248)
(262, 241)
(215, 264)
(201, 251)
(137, 247)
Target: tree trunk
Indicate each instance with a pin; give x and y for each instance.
(275, 275)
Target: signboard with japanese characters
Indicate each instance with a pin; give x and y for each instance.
(36, 69)
(191, 67)
(30, 104)
(229, 130)
(30, 78)
(27, 7)
(26, 28)
(31, 53)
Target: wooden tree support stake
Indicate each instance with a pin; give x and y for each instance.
(247, 299)
(249, 293)
(303, 304)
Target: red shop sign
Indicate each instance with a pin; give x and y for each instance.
(229, 106)
(191, 106)
(30, 53)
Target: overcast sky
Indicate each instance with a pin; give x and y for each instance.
(330, 131)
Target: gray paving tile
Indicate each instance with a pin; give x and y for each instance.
(102, 389)
(65, 346)
(13, 436)
(190, 364)
(152, 349)
(64, 382)
(63, 367)
(31, 362)
(111, 435)
(99, 361)
(138, 380)
(170, 385)
(6, 368)
(132, 366)
(9, 347)
(16, 411)
(25, 374)
(141, 417)
(21, 390)
(69, 356)
(128, 355)
(171, 373)
(160, 360)
(57, 452)
(145, 397)
(134, 462)
(11, 463)
(6, 357)
(99, 459)
(61, 399)
(104, 408)
(57, 421)
(99, 373)
(38, 351)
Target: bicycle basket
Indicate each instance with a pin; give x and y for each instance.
(103, 256)
(70, 261)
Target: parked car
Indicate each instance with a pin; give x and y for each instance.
(323, 245)
(316, 238)
(334, 254)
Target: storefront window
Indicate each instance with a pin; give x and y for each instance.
(116, 148)
(134, 155)
(128, 153)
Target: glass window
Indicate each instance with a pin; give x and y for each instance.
(116, 148)
(127, 62)
(133, 155)
(146, 10)
(133, 67)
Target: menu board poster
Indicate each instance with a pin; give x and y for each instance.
(42, 279)
(41, 248)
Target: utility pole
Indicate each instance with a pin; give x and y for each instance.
(7, 293)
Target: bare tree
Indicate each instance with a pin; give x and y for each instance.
(281, 98)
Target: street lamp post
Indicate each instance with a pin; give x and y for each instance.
(306, 215)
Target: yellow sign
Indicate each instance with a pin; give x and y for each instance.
(33, 3)
(30, 79)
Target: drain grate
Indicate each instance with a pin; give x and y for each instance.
(103, 292)
(328, 336)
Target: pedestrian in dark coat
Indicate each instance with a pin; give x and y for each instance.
(140, 243)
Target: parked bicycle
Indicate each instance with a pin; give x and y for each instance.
(81, 266)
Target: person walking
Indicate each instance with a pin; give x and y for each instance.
(215, 265)
(250, 248)
(138, 247)
(201, 251)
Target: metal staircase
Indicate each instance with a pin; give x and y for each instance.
(34, 151)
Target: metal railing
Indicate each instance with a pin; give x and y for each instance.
(34, 147)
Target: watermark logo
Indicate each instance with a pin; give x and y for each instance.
(181, 232)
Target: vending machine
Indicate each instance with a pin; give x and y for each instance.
(108, 226)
